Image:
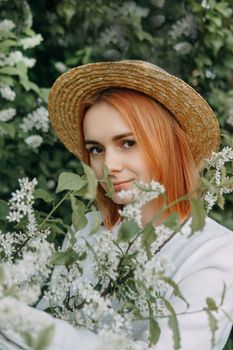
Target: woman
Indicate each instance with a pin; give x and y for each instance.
(143, 124)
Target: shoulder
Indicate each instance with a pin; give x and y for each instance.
(210, 248)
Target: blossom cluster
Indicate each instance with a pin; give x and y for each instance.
(184, 27)
(38, 119)
(7, 114)
(7, 25)
(217, 163)
(28, 43)
(14, 57)
(7, 92)
(138, 197)
(22, 200)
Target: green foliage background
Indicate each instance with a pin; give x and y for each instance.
(192, 39)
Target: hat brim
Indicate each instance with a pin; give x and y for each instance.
(191, 111)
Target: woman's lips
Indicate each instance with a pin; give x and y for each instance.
(118, 186)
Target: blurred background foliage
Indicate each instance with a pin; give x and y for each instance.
(191, 39)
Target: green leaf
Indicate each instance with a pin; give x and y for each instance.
(44, 92)
(110, 188)
(154, 331)
(79, 219)
(148, 237)
(44, 338)
(223, 294)
(221, 201)
(96, 222)
(172, 221)
(213, 326)
(173, 324)
(92, 182)
(211, 304)
(8, 129)
(6, 44)
(6, 34)
(2, 276)
(176, 289)
(28, 338)
(42, 194)
(11, 291)
(64, 258)
(9, 71)
(128, 230)
(69, 182)
(198, 215)
(4, 209)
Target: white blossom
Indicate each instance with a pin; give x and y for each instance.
(34, 141)
(158, 3)
(29, 62)
(184, 27)
(38, 119)
(131, 8)
(138, 197)
(230, 110)
(7, 248)
(230, 120)
(210, 73)
(7, 114)
(218, 159)
(22, 200)
(105, 256)
(29, 43)
(205, 4)
(30, 271)
(61, 67)
(7, 92)
(114, 35)
(7, 25)
(162, 233)
(183, 47)
(13, 58)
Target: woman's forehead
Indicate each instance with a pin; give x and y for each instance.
(101, 118)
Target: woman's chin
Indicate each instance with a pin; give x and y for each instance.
(116, 198)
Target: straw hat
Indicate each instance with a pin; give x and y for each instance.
(191, 111)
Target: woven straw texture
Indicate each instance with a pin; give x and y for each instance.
(191, 111)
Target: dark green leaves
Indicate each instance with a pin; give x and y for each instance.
(4, 209)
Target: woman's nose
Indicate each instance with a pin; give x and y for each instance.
(113, 161)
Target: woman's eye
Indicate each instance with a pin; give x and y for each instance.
(128, 143)
(95, 150)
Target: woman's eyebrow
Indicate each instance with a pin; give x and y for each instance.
(115, 138)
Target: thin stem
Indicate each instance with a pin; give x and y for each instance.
(55, 208)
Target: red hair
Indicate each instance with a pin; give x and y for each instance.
(163, 142)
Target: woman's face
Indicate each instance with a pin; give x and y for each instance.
(110, 141)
